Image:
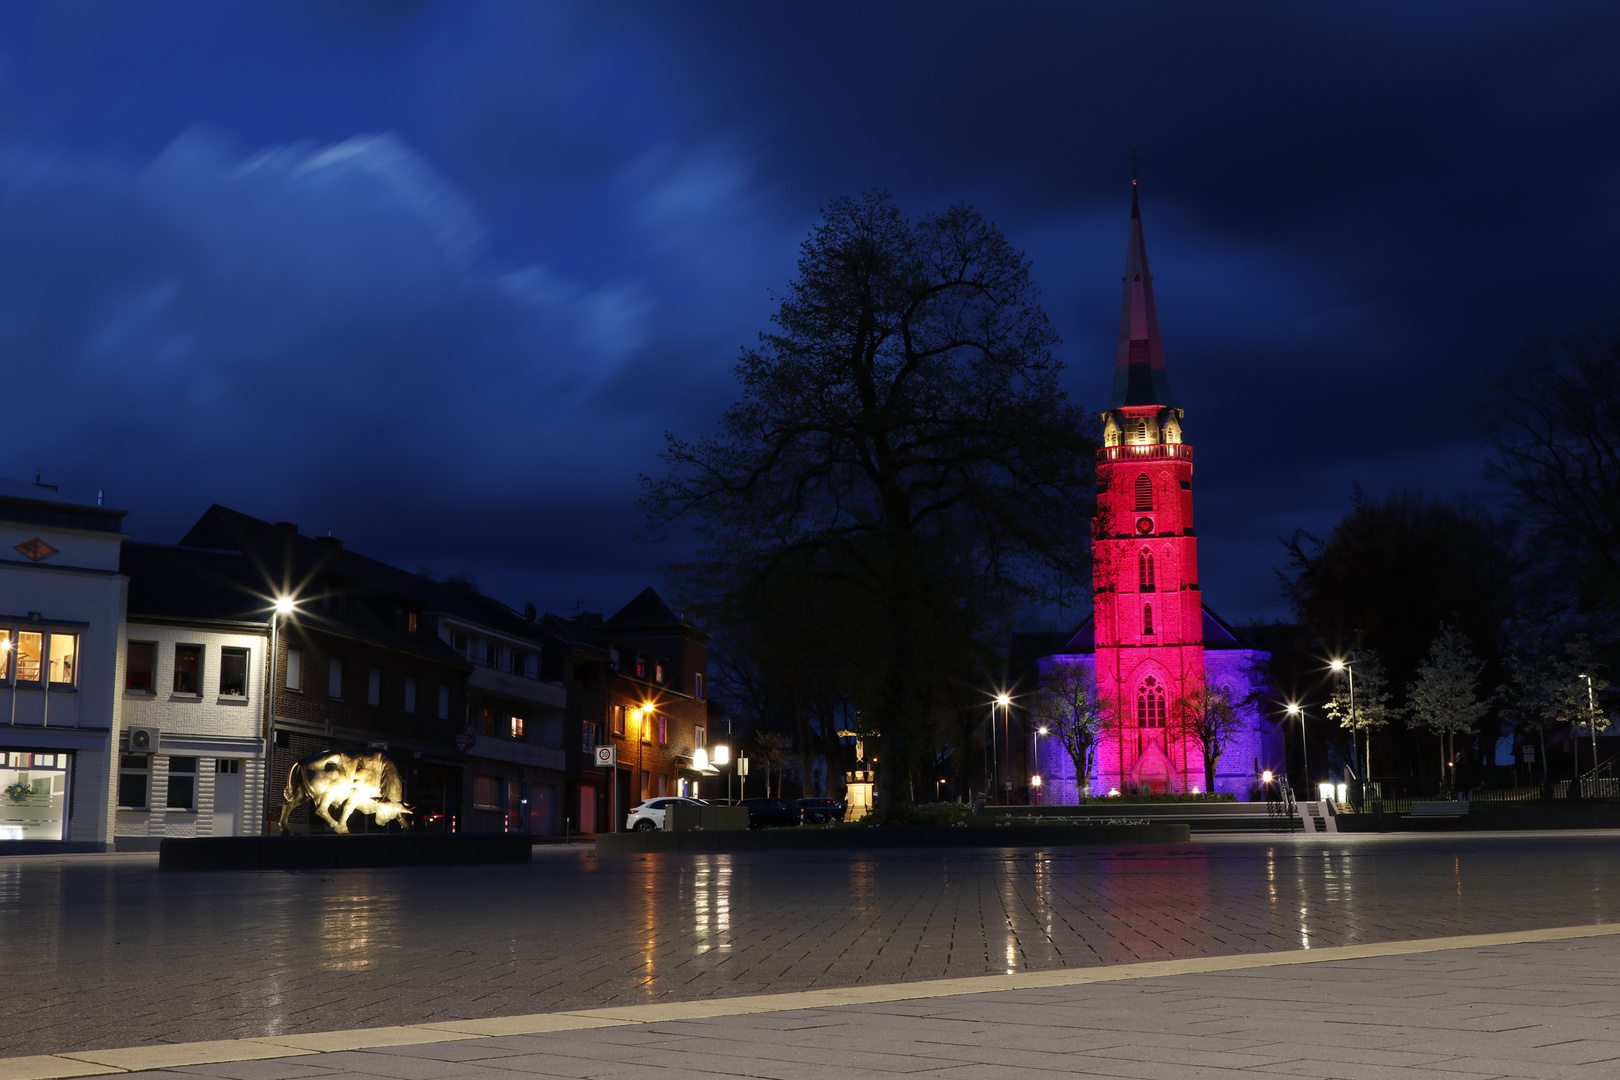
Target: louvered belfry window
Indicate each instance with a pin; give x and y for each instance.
(1144, 492)
(1144, 565)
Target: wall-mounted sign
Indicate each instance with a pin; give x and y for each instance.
(465, 739)
(606, 757)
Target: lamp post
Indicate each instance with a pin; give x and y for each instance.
(1349, 667)
(1006, 778)
(282, 607)
(1036, 755)
(1591, 721)
(1297, 712)
(1035, 784)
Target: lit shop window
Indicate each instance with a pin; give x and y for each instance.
(64, 659)
(30, 653)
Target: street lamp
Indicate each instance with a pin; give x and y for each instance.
(1296, 711)
(1006, 723)
(1036, 781)
(1591, 718)
(280, 608)
(1349, 667)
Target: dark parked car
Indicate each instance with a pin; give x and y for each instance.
(818, 811)
(769, 812)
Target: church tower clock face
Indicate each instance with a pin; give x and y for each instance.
(1144, 525)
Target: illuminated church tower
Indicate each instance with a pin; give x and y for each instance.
(1150, 640)
(1149, 618)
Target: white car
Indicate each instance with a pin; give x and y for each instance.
(650, 814)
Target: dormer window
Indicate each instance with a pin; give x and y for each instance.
(641, 666)
(658, 671)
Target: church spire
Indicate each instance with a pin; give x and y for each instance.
(1139, 375)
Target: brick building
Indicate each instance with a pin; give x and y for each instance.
(636, 682)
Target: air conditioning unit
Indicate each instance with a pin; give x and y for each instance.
(143, 740)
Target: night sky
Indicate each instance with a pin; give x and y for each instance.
(437, 277)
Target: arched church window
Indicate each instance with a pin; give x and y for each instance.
(1147, 620)
(1144, 567)
(1141, 431)
(1150, 704)
(1144, 492)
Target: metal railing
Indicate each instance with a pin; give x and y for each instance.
(1146, 452)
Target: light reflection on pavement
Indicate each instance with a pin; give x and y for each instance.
(105, 951)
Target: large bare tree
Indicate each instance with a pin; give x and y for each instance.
(902, 434)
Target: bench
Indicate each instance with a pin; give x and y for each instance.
(1438, 808)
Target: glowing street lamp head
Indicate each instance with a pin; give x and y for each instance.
(700, 759)
(1042, 730)
(1265, 777)
(1337, 665)
(1003, 700)
(284, 605)
(722, 754)
(1035, 780)
(1293, 709)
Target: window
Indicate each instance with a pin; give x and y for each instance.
(613, 658)
(1141, 431)
(697, 686)
(646, 785)
(1144, 566)
(227, 765)
(487, 792)
(700, 737)
(1144, 492)
(589, 732)
(616, 720)
(412, 622)
(30, 651)
(644, 723)
(295, 669)
(663, 784)
(663, 731)
(444, 703)
(641, 666)
(517, 727)
(140, 666)
(64, 659)
(233, 669)
(182, 783)
(1147, 620)
(374, 686)
(133, 771)
(188, 669)
(1150, 704)
(658, 671)
(489, 720)
(410, 693)
(458, 642)
(334, 679)
(520, 662)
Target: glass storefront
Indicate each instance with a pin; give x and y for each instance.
(34, 795)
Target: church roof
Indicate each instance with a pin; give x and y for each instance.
(1139, 375)
(1218, 634)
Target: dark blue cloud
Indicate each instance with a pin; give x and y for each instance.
(437, 276)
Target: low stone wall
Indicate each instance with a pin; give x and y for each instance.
(342, 852)
(1485, 818)
(812, 839)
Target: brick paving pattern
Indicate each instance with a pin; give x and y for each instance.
(104, 951)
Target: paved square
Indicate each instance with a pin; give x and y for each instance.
(105, 952)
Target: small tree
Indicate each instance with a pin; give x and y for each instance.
(1208, 714)
(1445, 697)
(776, 751)
(1066, 704)
(1364, 681)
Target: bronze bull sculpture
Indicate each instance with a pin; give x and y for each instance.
(366, 780)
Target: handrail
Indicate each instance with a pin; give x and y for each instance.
(1592, 773)
(1146, 452)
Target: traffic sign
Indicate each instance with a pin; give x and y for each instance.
(465, 739)
(606, 757)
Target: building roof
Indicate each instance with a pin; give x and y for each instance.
(1139, 374)
(24, 503)
(289, 563)
(167, 581)
(647, 609)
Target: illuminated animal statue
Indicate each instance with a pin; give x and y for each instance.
(366, 780)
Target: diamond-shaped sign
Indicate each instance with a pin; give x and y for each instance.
(36, 549)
